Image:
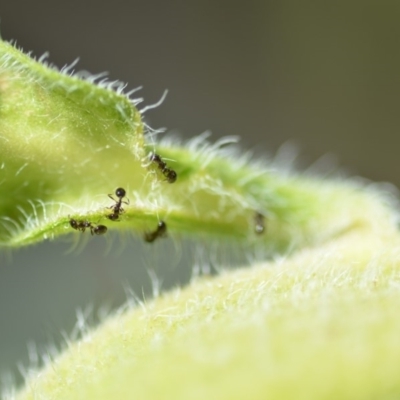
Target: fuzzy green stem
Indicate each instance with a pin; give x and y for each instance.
(67, 142)
(320, 324)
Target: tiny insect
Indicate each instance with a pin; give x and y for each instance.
(83, 225)
(169, 173)
(117, 207)
(259, 220)
(161, 231)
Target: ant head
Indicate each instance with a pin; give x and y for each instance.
(154, 157)
(161, 229)
(120, 193)
(73, 223)
(113, 216)
(161, 225)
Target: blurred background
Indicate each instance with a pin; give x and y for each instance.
(324, 75)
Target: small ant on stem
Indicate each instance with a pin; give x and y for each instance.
(83, 225)
(117, 207)
(259, 220)
(161, 230)
(169, 173)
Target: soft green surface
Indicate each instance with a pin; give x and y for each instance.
(319, 321)
(322, 324)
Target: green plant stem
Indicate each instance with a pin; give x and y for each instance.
(67, 142)
(318, 323)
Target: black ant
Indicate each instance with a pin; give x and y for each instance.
(83, 225)
(169, 173)
(259, 220)
(98, 229)
(161, 230)
(117, 207)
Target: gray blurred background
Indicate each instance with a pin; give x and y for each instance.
(323, 74)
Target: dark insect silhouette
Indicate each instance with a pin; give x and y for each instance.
(259, 220)
(83, 225)
(161, 231)
(98, 229)
(117, 207)
(169, 173)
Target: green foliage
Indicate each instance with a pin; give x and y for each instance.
(66, 142)
(319, 322)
